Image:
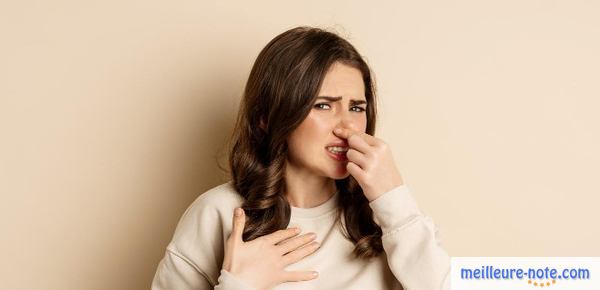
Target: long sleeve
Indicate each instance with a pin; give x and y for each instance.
(175, 272)
(414, 253)
(194, 257)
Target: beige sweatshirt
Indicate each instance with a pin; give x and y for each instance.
(413, 259)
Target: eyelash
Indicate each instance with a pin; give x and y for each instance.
(360, 111)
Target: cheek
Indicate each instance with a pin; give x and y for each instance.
(359, 123)
(310, 135)
(314, 129)
(363, 123)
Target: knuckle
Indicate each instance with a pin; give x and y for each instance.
(291, 231)
(299, 241)
(268, 238)
(287, 259)
(296, 255)
(285, 244)
(306, 240)
(288, 278)
(264, 243)
(305, 250)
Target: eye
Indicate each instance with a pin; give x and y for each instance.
(359, 109)
(320, 106)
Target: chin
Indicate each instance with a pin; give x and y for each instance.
(339, 173)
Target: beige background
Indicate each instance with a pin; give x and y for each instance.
(112, 114)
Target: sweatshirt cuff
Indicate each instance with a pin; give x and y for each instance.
(394, 208)
(228, 281)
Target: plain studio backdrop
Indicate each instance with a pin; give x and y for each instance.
(113, 115)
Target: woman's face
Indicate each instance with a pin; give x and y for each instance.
(340, 103)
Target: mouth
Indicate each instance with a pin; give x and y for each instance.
(337, 149)
(337, 152)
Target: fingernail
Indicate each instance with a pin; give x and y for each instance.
(238, 211)
(315, 274)
(338, 130)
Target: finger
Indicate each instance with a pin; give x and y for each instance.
(299, 254)
(355, 171)
(346, 133)
(358, 158)
(297, 242)
(371, 140)
(239, 221)
(281, 235)
(359, 144)
(295, 276)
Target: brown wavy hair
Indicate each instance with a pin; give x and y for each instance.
(280, 92)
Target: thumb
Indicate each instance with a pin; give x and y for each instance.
(239, 221)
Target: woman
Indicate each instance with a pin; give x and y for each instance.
(304, 159)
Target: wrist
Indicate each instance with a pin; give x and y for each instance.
(375, 192)
(246, 279)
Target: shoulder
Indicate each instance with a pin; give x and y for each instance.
(220, 198)
(204, 226)
(210, 210)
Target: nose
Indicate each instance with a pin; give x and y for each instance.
(347, 121)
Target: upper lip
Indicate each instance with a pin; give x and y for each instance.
(338, 144)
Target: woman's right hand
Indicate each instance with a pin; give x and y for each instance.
(261, 262)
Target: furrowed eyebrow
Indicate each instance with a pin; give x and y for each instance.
(335, 99)
(357, 102)
(331, 99)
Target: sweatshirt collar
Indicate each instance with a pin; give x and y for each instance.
(319, 210)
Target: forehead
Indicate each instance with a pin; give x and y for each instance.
(343, 80)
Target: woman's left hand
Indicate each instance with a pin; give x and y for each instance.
(370, 162)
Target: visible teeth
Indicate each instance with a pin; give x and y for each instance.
(336, 149)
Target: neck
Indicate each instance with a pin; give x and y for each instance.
(305, 189)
